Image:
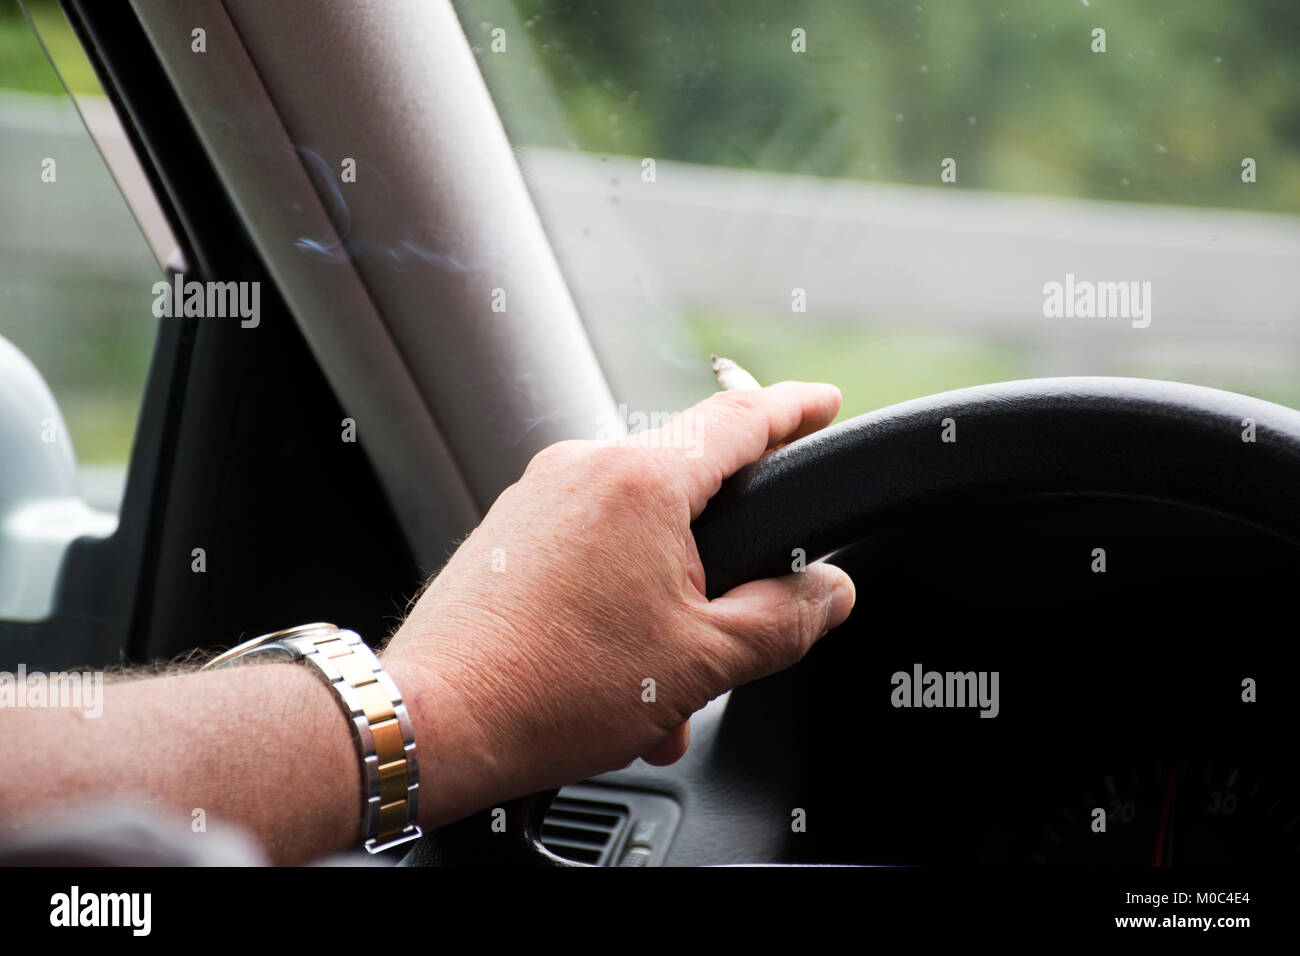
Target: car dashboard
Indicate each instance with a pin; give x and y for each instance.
(1004, 694)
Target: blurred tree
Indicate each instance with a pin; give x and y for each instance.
(888, 88)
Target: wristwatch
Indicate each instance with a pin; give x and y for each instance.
(381, 726)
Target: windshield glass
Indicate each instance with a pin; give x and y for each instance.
(908, 197)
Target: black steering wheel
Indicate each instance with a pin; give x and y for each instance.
(1129, 438)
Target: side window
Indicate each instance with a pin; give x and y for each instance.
(81, 246)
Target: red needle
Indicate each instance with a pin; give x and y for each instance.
(1165, 813)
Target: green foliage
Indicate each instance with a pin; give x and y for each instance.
(888, 88)
(25, 66)
(874, 364)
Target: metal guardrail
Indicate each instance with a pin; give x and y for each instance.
(705, 238)
(81, 217)
(642, 254)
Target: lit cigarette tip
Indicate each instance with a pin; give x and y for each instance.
(730, 375)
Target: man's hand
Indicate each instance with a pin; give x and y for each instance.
(526, 661)
(523, 664)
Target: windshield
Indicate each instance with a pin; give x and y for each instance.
(909, 197)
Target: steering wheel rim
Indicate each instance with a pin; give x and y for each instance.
(1179, 443)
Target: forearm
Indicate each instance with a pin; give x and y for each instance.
(263, 746)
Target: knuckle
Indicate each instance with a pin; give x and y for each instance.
(713, 669)
(799, 625)
(614, 472)
(740, 401)
(777, 640)
(626, 471)
(560, 454)
(810, 619)
(793, 643)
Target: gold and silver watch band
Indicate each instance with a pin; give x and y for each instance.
(381, 727)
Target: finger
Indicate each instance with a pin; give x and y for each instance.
(694, 566)
(773, 622)
(671, 748)
(729, 430)
(814, 422)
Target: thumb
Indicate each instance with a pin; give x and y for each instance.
(774, 622)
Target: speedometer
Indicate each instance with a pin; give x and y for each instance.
(1171, 813)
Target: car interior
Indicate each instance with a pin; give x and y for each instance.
(1119, 549)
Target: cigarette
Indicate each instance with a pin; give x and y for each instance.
(730, 375)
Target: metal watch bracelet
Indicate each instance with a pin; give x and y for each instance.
(381, 726)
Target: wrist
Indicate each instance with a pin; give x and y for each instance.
(460, 767)
(382, 731)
